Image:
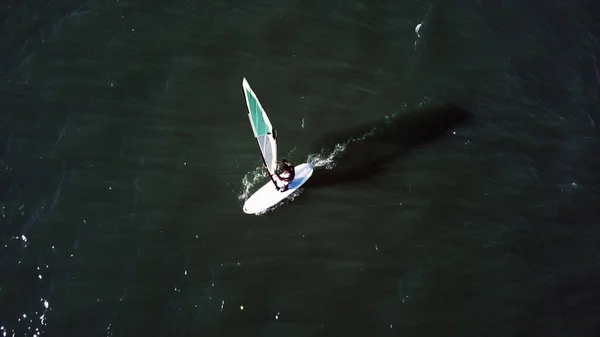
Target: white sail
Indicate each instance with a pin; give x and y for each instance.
(262, 128)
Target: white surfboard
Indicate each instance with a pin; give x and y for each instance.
(268, 195)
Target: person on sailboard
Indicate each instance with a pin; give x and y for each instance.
(285, 176)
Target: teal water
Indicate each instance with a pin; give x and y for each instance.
(456, 190)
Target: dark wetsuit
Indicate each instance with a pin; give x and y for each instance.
(286, 174)
(289, 173)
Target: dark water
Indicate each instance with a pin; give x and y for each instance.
(457, 189)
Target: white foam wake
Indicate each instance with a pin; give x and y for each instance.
(250, 180)
(324, 159)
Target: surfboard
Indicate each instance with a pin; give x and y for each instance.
(264, 133)
(268, 196)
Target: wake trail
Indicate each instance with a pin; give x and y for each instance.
(325, 158)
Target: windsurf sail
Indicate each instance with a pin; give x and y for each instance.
(262, 128)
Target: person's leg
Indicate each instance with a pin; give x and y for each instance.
(280, 183)
(286, 183)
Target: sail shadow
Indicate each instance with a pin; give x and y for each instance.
(368, 148)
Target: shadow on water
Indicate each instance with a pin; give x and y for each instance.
(371, 146)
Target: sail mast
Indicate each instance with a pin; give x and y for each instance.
(262, 129)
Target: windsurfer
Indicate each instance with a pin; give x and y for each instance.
(285, 176)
